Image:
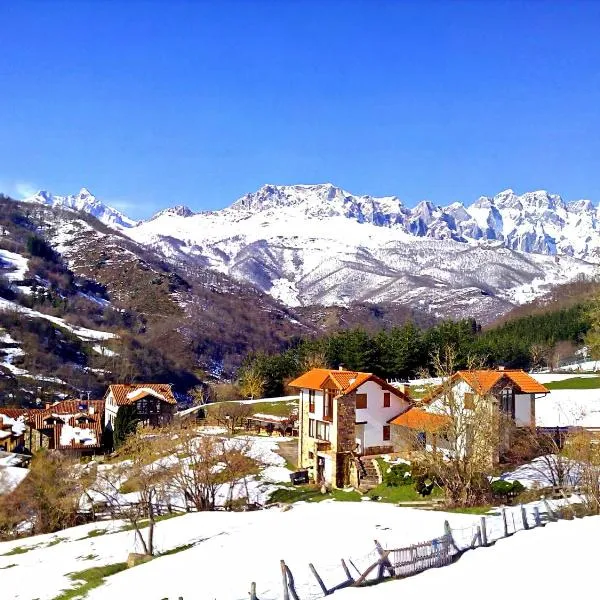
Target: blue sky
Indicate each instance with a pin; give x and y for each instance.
(150, 104)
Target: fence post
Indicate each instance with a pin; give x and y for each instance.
(291, 583)
(347, 570)
(536, 515)
(524, 516)
(284, 579)
(484, 539)
(385, 563)
(319, 580)
(551, 514)
(448, 533)
(505, 522)
(253, 591)
(476, 537)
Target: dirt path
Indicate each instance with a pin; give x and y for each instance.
(289, 451)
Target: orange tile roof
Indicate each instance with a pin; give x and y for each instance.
(312, 380)
(344, 381)
(421, 420)
(483, 380)
(123, 392)
(526, 382)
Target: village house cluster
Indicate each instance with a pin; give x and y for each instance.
(79, 426)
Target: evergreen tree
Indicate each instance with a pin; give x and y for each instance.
(126, 423)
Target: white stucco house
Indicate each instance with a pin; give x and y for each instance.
(344, 415)
(514, 391)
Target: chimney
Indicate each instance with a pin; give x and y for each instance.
(47, 405)
(402, 387)
(501, 368)
(341, 368)
(91, 410)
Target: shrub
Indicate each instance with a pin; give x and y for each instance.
(506, 490)
(398, 475)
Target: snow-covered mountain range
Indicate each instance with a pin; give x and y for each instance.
(318, 244)
(85, 201)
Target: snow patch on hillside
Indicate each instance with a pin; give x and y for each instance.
(82, 333)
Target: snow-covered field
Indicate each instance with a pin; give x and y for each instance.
(557, 561)
(229, 551)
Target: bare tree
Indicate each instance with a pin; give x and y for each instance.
(208, 465)
(146, 474)
(463, 444)
(232, 415)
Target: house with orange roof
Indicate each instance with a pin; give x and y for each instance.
(425, 425)
(344, 415)
(155, 402)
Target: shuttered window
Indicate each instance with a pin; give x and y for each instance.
(386, 400)
(361, 400)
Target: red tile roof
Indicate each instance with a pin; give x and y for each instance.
(127, 393)
(15, 413)
(69, 412)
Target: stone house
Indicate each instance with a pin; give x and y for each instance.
(514, 392)
(73, 426)
(13, 427)
(342, 416)
(155, 402)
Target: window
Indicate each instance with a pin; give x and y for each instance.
(469, 400)
(361, 400)
(322, 431)
(318, 430)
(507, 402)
(311, 401)
(422, 439)
(328, 405)
(386, 433)
(386, 400)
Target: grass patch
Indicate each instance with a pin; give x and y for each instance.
(310, 493)
(55, 541)
(87, 557)
(89, 579)
(19, 550)
(403, 493)
(145, 522)
(176, 549)
(96, 532)
(575, 383)
(277, 409)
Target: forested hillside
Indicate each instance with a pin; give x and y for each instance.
(403, 352)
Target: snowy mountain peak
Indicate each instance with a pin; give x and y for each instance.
(177, 211)
(86, 202)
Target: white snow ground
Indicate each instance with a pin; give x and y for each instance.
(17, 264)
(557, 561)
(230, 550)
